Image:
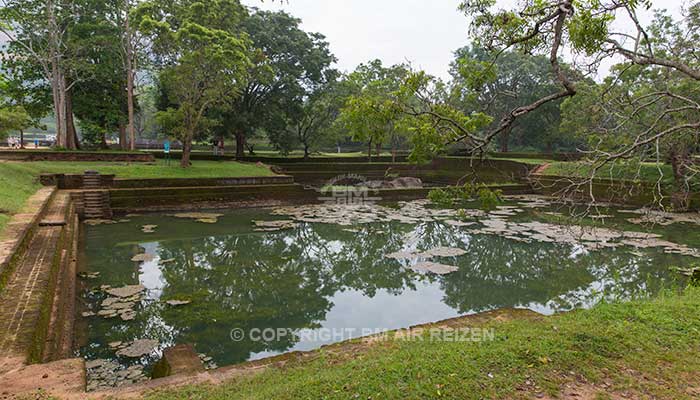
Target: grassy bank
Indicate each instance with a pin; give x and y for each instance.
(640, 349)
(18, 180)
(158, 169)
(644, 172)
(16, 186)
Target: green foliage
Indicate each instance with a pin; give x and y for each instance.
(92, 134)
(370, 113)
(692, 273)
(13, 119)
(204, 60)
(288, 67)
(623, 114)
(312, 123)
(587, 31)
(490, 199)
(454, 195)
(432, 118)
(502, 82)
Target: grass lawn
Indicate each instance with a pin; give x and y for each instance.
(18, 180)
(159, 169)
(643, 171)
(643, 349)
(530, 161)
(15, 188)
(300, 154)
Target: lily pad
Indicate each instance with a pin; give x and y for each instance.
(402, 255)
(444, 252)
(148, 228)
(436, 268)
(176, 303)
(199, 216)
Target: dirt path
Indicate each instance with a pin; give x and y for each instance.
(540, 169)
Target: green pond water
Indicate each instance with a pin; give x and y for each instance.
(321, 276)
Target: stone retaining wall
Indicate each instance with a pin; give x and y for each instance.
(279, 160)
(46, 155)
(72, 181)
(123, 200)
(446, 171)
(631, 193)
(192, 182)
(140, 199)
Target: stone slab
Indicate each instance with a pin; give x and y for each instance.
(180, 359)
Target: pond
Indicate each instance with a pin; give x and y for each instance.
(329, 273)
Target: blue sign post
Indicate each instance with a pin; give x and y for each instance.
(166, 150)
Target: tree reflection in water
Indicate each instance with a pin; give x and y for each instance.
(238, 278)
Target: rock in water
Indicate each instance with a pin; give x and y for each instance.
(126, 291)
(138, 348)
(143, 257)
(406, 182)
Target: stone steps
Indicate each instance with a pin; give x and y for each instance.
(96, 204)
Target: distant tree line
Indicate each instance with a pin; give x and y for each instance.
(208, 71)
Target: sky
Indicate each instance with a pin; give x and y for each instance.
(423, 32)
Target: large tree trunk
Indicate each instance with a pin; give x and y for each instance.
(240, 144)
(122, 137)
(103, 140)
(57, 79)
(186, 150)
(306, 151)
(379, 149)
(59, 98)
(680, 198)
(369, 151)
(21, 138)
(129, 82)
(72, 141)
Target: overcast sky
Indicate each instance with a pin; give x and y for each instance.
(424, 32)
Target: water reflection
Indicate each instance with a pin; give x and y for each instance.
(320, 275)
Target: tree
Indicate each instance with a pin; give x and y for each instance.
(13, 119)
(36, 33)
(287, 65)
(646, 112)
(33, 101)
(517, 79)
(129, 43)
(312, 123)
(581, 28)
(370, 113)
(98, 98)
(202, 57)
